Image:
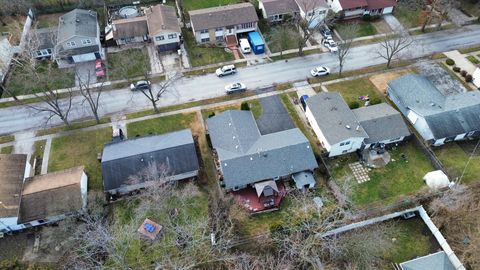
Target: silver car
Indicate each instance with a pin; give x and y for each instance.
(235, 87)
(320, 71)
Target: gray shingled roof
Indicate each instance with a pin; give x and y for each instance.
(126, 158)
(437, 261)
(274, 7)
(78, 22)
(311, 5)
(222, 16)
(247, 157)
(446, 114)
(46, 37)
(334, 117)
(381, 122)
(130, 27)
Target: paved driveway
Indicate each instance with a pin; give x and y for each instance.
(85, 71)
(274, 117)
(393, 22)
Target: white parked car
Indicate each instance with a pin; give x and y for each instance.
(245, 45)
(140, 85)
(320, 71)
(330, 44)
(226, 70)
(235, 87)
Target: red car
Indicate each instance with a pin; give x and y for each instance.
(99, 68)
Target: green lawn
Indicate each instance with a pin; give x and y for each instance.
(399, 177)
(364, 29)
(73, 125)
(454, 159)
(128, 64)
(192, 217)
(472, 8)
(412, 240)
(199, 4)
(80, 149)
(6, 149)
(473, 59)
(39, 147)
(160, 125)
(7, 138)
(352, 89)
(48, 20)
(204, 54)
(22, 82)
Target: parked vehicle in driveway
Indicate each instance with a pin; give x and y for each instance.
(330, 45)
(320, 71)
(140, 85)
(226, 70)
(235, 88)
(303, 101)
(245, 45)
(326, 33)
(99, 68)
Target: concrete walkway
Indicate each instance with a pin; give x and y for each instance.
(155, 63)
(459, 18)
(461, 61)
(23, 143)
(304, 88)
(46, 156)
(392, 21)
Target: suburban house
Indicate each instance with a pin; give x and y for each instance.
(357, 8)
(78, 37)
(163, 27)
(278, 10)
(6, 55)
(158, 23)
(32, 201)
(217, 24)
(134, 164)
(313, 12)
(341, 130)
(43, 41)
(437, 261)
(438, 116)
(249, 161)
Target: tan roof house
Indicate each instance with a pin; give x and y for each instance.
(213, 25)
(163, 27)
(278, 10)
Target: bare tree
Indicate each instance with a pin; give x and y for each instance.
(393, 44)
(281, 37)
(315, 17)
(348, 34)
(91, 96)
(156, 91)
(12, 8)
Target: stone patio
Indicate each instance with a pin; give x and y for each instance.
(359, 172)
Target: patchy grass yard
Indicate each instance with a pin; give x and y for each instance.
(399, 177)
(204, 54)
(470, 8)
(128, 64)
(80, 149)
(408, 17)
(74, 125)
(197, 4)
(21, 82)
(364, 28)
(255, 108)
(14, 26)
(454, 158)
(352, 89)
(48, 20)
(6, 149)
(473, 59)
(160, 125)
(267, 33)
(7, 138)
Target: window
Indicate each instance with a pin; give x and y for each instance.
(205, 39)
(49, 51)
(39, 53)
(342, 144)
(86, 41)
(247, 25)
(219, 38)
(205, 31)
(219, 29)
(172, 36)
(347, 143)
(71, 44)
(159, 38)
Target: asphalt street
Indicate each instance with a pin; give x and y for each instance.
(15, 119)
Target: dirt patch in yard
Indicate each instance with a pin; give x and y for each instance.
(382, 26)
(380, 81)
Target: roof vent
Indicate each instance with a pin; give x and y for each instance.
(432, 104)
(333, 108)
(236, 146)
(77, 20)
(229, 124)
(358, 128)
(347, 126)
(251, 158)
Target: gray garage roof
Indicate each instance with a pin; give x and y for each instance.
(437, 261)
(274, 7)
(247, 157)
(126, 158)
(334, 117)
(381, 122)
(222, 16)
(446, 114)
(78, 22)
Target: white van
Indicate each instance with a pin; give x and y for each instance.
(245, 45)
